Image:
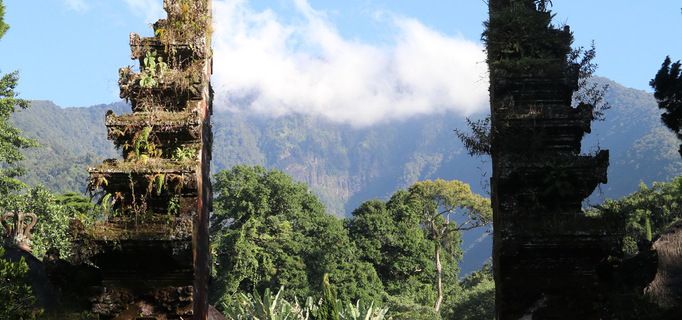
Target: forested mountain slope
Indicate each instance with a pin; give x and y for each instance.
(641, 148)
(347, 166)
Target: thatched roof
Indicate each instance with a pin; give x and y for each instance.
(666, 289)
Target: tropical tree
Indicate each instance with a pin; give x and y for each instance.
(667, 86)
(447, 208)
(413, 241)
(389, 236)
(11, 141)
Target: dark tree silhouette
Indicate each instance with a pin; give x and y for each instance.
(668, 93)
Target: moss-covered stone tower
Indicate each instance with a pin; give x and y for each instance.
(152, 247)
(546, 251)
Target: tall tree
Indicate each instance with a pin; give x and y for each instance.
(15, 292)
(447, 208)
(668, 92)
(11, 141)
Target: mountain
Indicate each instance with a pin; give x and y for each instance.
(641, 148)
(70, 140)
(346, 166)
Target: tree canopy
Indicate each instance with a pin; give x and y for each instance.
(269, 231)
(414, 242)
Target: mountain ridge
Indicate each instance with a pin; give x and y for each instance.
(346, 165)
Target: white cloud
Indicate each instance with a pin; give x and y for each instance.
(77, 5)
(264, 65)
(151, 10)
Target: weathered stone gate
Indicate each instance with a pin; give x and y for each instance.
(546, 251)
(152, 249)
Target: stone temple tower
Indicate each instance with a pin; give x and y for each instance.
(546, 251)
(151, 248)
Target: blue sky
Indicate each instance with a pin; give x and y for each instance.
(380, 59)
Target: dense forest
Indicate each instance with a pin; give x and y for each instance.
(314, 220)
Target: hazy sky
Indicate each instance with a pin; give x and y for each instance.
(356, 61)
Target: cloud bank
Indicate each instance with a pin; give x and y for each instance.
(77, 5)
(266, 66)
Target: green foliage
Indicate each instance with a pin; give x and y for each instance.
(477, 300)
(269, 231)
(11, 141)
(54, 216)
(402, 308)
(363, 311)
(154, 68)
(329, 308)
(443, 199)
(646, 213)
(267, 307)
(184, 153)
(159, 180)
(275, 307)
(18, 301)
(589, 92)
(390, 238)
(413, 241)
(143, 147)
(439, 202)
(521, 37)
(3, 25)
(81, 204)
(188, 23)
(478, 142)
(667, 86)
(72, 139)
(174, 205)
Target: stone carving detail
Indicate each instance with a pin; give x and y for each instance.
(18, 226)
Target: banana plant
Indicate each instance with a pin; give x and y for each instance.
(274, 307)
(361, 311)
(267, 307)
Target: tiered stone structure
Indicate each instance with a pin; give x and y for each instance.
(546, 251)
(151, 252)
